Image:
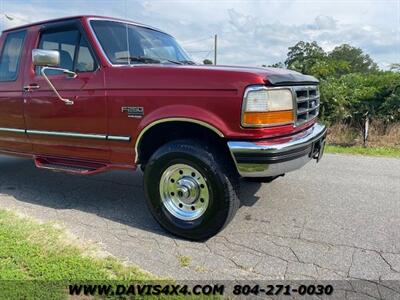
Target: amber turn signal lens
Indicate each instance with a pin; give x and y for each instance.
(268, 118)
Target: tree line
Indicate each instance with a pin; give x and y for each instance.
(353, 88)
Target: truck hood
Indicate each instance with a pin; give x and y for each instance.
(275, 76)
(200, 77)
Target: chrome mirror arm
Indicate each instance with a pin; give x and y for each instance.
(65, 71)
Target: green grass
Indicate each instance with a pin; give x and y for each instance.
(184, 261)
(370, 151)
(39, 261)
(34, 256)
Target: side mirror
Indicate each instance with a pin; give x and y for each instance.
(50, 60)
(45, 58)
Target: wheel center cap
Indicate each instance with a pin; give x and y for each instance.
(183, 192)
(187, 190)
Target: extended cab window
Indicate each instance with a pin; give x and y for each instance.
(75, 54)
(11, 55)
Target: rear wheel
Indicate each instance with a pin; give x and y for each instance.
(190, 189)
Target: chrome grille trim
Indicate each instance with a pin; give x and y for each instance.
(306, 103)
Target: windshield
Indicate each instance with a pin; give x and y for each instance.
(125, 43)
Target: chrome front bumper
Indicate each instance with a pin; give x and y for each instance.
(276, 156)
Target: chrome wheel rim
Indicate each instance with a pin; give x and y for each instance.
(184, 192)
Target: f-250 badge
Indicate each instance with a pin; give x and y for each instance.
(133, 111)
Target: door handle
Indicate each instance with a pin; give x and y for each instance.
(31, 87)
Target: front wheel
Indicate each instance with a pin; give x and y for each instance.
(190, 189)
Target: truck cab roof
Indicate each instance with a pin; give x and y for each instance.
(80, 17)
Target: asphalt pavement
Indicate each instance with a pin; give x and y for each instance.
(333, 220)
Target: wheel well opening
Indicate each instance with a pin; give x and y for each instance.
(163, 133)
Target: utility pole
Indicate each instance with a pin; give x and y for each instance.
(215, 49)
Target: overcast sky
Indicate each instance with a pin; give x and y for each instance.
(252, 32)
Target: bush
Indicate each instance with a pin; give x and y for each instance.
(352, 89)
(351, 97)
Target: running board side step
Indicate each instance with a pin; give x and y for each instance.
(69, 166)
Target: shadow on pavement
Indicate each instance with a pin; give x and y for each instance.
(117, 196)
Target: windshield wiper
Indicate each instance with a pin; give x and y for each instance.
(150, 60)
(172, 61)
(142, 59)
(179, 62)
(187, 62)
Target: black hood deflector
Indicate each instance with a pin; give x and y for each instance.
(292, 78)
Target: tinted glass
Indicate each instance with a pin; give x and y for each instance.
(85, 62)
(64, 42)
(11, 55)
(121, 41)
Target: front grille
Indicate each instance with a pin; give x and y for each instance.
(307, 99)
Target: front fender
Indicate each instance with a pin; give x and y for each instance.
(180, 113)
(184, 113)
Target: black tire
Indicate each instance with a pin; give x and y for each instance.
(221, 179)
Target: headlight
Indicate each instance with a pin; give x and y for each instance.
(264, 106)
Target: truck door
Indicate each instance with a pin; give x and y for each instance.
(57, 129)
(12, 125)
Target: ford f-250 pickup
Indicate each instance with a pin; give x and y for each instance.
(88, 94)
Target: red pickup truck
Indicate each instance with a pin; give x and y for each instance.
(88, 94)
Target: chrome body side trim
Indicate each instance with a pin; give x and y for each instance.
(119, 138)
(67, 134)
(12, 130)
(276, 156)
(145, 129)
(80, 135)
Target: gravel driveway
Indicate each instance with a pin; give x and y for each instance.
(338, 219)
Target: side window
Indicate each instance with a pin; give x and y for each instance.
(65, 43)
(11, 55)
(74, 50)
(85, 61)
